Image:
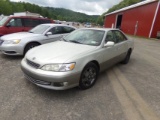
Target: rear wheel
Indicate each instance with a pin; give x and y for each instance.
(127, 58)
(88, 76)
(30, 46)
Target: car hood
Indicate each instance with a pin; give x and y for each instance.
(57, 52)
(19, 35)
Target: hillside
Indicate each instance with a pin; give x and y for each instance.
(69, 15)
(8, 8)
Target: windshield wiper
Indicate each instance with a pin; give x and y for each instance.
(74, 41)
(30, 32)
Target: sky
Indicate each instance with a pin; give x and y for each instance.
(90, 7)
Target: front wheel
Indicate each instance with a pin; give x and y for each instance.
(30, 46)
(89, 76)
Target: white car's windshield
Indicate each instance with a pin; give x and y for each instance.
(40, 29)
(3, 20)
(86, 36)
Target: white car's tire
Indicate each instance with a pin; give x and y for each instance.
(30, 46)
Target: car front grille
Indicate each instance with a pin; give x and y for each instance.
(37, 81)
(1, 41)
(33, 64)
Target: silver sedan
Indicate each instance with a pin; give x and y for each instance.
(20, 43)
(77, 59)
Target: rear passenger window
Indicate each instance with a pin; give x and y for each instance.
(30, 22)
(45, 21)
(119, 36)
(27, 22)
(56, 30)
(15, 22)
(68, 29)
(35, 22)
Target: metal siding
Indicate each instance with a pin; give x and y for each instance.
(156, 27)
(143, 14)
(109, 21)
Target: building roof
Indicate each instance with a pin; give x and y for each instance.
(133, 6)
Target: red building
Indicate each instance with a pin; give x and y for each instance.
(142, 19)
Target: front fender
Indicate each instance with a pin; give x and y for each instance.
(83, 60)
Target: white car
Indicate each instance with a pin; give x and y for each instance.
(88, 25)
(77, 60)
(20, 43)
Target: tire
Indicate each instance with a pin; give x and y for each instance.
(127, 58)
(89, 76)
(30, 46)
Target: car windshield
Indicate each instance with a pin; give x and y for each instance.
(3, 20)
(40, 29)
(86, 36)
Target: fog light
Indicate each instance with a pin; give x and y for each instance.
(60, 84)
(65, 83)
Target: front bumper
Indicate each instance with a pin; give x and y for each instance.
(11, 49)
(50, 80)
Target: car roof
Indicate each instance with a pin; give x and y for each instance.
(53, 25)
(32, 17)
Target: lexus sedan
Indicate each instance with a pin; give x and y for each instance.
(20, 43)
(77, 59)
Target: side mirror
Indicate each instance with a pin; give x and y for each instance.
(8, 25)
(109, 44)
(48, 33)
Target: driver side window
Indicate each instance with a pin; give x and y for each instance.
(15, 22)
(110, 37)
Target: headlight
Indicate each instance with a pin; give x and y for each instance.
(59, 67)
(16, 41)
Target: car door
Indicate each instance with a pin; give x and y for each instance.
(56, 34)
(109, 53)
(121, 45)
(14, 25)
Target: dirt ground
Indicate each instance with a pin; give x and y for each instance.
(124, 92)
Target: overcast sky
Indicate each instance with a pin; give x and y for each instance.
(91, 7)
